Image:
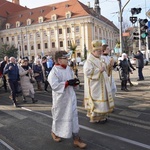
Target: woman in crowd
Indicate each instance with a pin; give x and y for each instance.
(25, 73)
(124, 70)
(38, 74)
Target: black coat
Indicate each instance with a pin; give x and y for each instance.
(140, 60)
(124, 69)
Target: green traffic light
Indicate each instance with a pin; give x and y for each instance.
(144, 35)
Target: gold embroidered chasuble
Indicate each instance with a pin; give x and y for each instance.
(97, 90)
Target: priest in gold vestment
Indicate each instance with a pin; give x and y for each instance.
(98, 98)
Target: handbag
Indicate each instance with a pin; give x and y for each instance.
(32, 80)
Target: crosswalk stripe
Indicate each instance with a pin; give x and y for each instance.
(6, 145)
(11, 111)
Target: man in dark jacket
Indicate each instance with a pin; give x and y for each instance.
(12, 71)
(139, 64)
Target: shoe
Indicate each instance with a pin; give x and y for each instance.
(131, 84)
(15, 105)
(140, 79)
(126, 90)
(103, 120)
(55, 138)
(34, 101)
(79, 143)
(24, 100)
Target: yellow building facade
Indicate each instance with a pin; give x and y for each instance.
(53, 29)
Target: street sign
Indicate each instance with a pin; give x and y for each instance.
(148, 13)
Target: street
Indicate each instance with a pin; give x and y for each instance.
(128, 128)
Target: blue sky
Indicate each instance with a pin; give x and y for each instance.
(109, 8)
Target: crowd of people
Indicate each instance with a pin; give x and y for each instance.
(99, 85)
(20, 75)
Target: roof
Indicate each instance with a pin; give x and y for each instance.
(7, 8)
(77, 9)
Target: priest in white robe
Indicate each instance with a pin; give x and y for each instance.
(98, 98)
(64, 103)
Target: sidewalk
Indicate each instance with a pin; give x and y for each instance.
(133, 77)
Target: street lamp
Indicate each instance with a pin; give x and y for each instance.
(121, 20)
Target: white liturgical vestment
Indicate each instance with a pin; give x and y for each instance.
(64, 103)
(97, 90)
(107, 61)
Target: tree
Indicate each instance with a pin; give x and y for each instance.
(127, 40)
(5, 50)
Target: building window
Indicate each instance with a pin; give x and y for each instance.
(61, 43)
(53, 44)
(28, 21)
(39, 46)
(12, 38)
(68, 14)
(46, 46)
(38, 34)
(60, 31)
(7, 25)
(18, 24)
(52, 32)
(41, 19)
(31, 35)
(78, 42)
(54, 17)
(18, 37)
(77, 29)
(32, 47)
(1, 39)
(95, 29)
(7, 39)
(69, 42)
(25, 36)
(45, 33)
(25, 47)
(68, 30)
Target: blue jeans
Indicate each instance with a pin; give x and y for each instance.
(140, 74)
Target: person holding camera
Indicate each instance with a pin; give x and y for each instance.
(64, 104)
(25, 73)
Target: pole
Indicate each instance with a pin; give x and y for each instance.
(121, 20)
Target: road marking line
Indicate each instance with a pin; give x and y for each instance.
(117, 137)
(24, 108)
(6, 145)
(102, 133)
(14, 114)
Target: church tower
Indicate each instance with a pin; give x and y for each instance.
(16, 2)
(96, 7)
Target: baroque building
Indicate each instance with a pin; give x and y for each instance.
(45, 29)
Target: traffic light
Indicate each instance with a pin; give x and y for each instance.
(135, 11)
(143, 28)
(133, 19)
(135, 36)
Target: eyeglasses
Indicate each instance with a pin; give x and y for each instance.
(63, 58)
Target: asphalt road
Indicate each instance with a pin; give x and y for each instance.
(128, 127)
